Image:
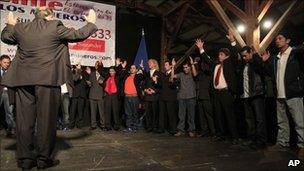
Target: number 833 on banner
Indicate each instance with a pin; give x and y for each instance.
(102, 34)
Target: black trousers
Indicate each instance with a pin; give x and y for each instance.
(151, 108)
(255, 119)
(224, 111)
(168, 115)
(77, 111)
(111, 109)
(206, 116)
(36, 106)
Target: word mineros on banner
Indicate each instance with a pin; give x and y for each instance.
(72, 7)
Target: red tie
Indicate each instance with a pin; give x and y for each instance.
(218, 74)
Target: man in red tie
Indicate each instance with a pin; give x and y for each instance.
(225, 86)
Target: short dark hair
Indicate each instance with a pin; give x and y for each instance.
(4, 57)
(167, 61)
(112, 67)
(248, 49)
(226, 51)
(285, 34)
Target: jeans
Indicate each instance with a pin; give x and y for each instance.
(186, 106)
(131, 105)
(9, 116)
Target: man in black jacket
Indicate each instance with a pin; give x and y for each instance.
(168, 101)
(204, 83)
(37, 71)
(286, 70)
(225, 86)
(252, 90)
(78, 98)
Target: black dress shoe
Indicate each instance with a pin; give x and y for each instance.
(43, 164)
(93, 128)
(26, 164)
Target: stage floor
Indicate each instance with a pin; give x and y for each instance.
(96, 150)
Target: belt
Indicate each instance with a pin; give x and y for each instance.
(223, 89)
(131, 95)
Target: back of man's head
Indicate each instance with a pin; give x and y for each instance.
(43, 12)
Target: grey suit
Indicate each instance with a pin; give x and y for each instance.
(96, 99)
(40, 66)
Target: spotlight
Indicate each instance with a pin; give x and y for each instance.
(267, 24)
(241, 28)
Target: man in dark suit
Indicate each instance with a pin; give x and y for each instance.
(38, 70)
(252, 91)
(7, 97)
(96, 96)
(225, 86)
(78, 98)
(206, 117)
(168, 101)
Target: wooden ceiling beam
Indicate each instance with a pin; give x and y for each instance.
(263, 9)
(278, 25)
(235, 10)
(175, 7)
(222, 16)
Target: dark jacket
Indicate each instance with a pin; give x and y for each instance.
(42, 57)
(118, 79)
(138, 82)
(204, 81)
(229, 68)
(96, 89)
(149, 83)
(10, 92)
(255, 76)
(294, 73)
(168, 91)
(80, 85)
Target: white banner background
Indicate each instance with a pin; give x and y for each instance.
(101, 45)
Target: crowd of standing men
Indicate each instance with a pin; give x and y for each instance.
(121, 99)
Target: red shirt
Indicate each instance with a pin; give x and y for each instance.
(111, 87)
(130, 88)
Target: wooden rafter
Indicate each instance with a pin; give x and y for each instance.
(235, 10)
(278, 26)
(175, 7)
(220, 13)
(264, 7)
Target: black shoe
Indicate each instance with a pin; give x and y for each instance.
(26, 164)
(235, 141)
(43, 164)
(257, 146)
(160, 131)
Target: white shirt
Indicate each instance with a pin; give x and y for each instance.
(152, 72)
(281, 68)
(64, 89)
(222, 82)
(245, 82)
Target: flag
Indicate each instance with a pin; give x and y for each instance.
(142, 54)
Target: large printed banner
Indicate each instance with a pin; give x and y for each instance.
(101, 45)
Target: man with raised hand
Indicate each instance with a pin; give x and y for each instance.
(41, 65)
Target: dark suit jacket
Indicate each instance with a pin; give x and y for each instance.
(96, 89)
(80, 85)
(229, 69)
(204, 81)
(168, 91)
(294, 72)
(42, 57)
(10, 92)
(149, 83)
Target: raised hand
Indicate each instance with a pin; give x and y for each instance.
(11, 20)
(173, 62)
(230, 36)
(117, 62)
(199, 44)
(265, 56)
(91, 18)
(191, 61)
(124, 64)
(141, 64)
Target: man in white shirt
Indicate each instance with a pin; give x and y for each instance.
(289, 78)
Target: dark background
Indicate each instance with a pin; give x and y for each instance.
(128, 35)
